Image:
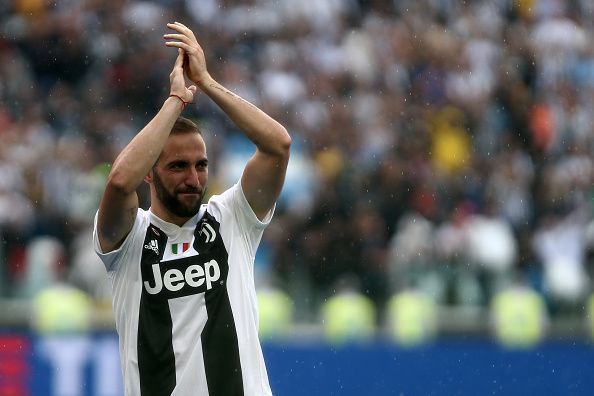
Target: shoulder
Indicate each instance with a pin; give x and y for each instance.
(134, 237)
(233, 203)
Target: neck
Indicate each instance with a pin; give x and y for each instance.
(165, 215)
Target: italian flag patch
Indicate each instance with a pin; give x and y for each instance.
(177, 248)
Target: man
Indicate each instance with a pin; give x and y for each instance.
(182, 272)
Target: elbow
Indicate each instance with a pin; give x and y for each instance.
(277, 143)
(284, 143)
(117, 181)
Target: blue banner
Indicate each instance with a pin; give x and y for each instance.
(89, 366)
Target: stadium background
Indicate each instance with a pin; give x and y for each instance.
(435, 235)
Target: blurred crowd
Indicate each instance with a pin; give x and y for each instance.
(440, 145)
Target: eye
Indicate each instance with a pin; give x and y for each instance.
(177, 165)
(202, 165)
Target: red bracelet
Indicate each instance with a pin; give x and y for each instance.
(184, 103)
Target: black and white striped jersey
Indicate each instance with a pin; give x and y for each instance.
(185, 303)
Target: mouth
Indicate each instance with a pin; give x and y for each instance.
(188, 195)
(188, 192)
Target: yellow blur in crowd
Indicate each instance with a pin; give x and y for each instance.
(62, 309)
(519, 316)
(518, 313)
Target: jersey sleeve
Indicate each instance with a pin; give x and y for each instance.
(112, 259)
(233, 211)
(235, 201)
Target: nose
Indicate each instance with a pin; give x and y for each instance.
(192, 179)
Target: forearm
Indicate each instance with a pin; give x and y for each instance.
(138, 157)
(266, 133)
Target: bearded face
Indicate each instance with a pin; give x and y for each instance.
(179, 177)
(182, 201)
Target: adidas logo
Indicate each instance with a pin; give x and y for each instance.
(154, 246)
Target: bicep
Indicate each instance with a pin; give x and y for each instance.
(262, 181)
(117, 213)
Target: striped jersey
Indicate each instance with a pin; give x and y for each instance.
(185, 302)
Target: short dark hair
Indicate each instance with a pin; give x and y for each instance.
(184, 125)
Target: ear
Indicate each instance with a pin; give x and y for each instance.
(149, 177)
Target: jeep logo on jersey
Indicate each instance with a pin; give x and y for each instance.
(182, 277)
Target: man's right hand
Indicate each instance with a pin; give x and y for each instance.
(119, 203)
(178, 82)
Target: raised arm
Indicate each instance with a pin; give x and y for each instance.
(119, 203)
(264, 174)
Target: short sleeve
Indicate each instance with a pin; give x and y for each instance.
(112, 259)
(234, 200)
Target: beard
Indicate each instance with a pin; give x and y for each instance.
(172, 203)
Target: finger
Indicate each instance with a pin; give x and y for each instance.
(179, 61)
(177, 26)
(179, 44)
(193, 89)
(180, 27)
(173, 36)
(190, 40)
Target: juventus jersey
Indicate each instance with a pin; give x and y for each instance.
(185, 303)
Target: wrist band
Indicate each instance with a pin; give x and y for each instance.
(184, 103)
